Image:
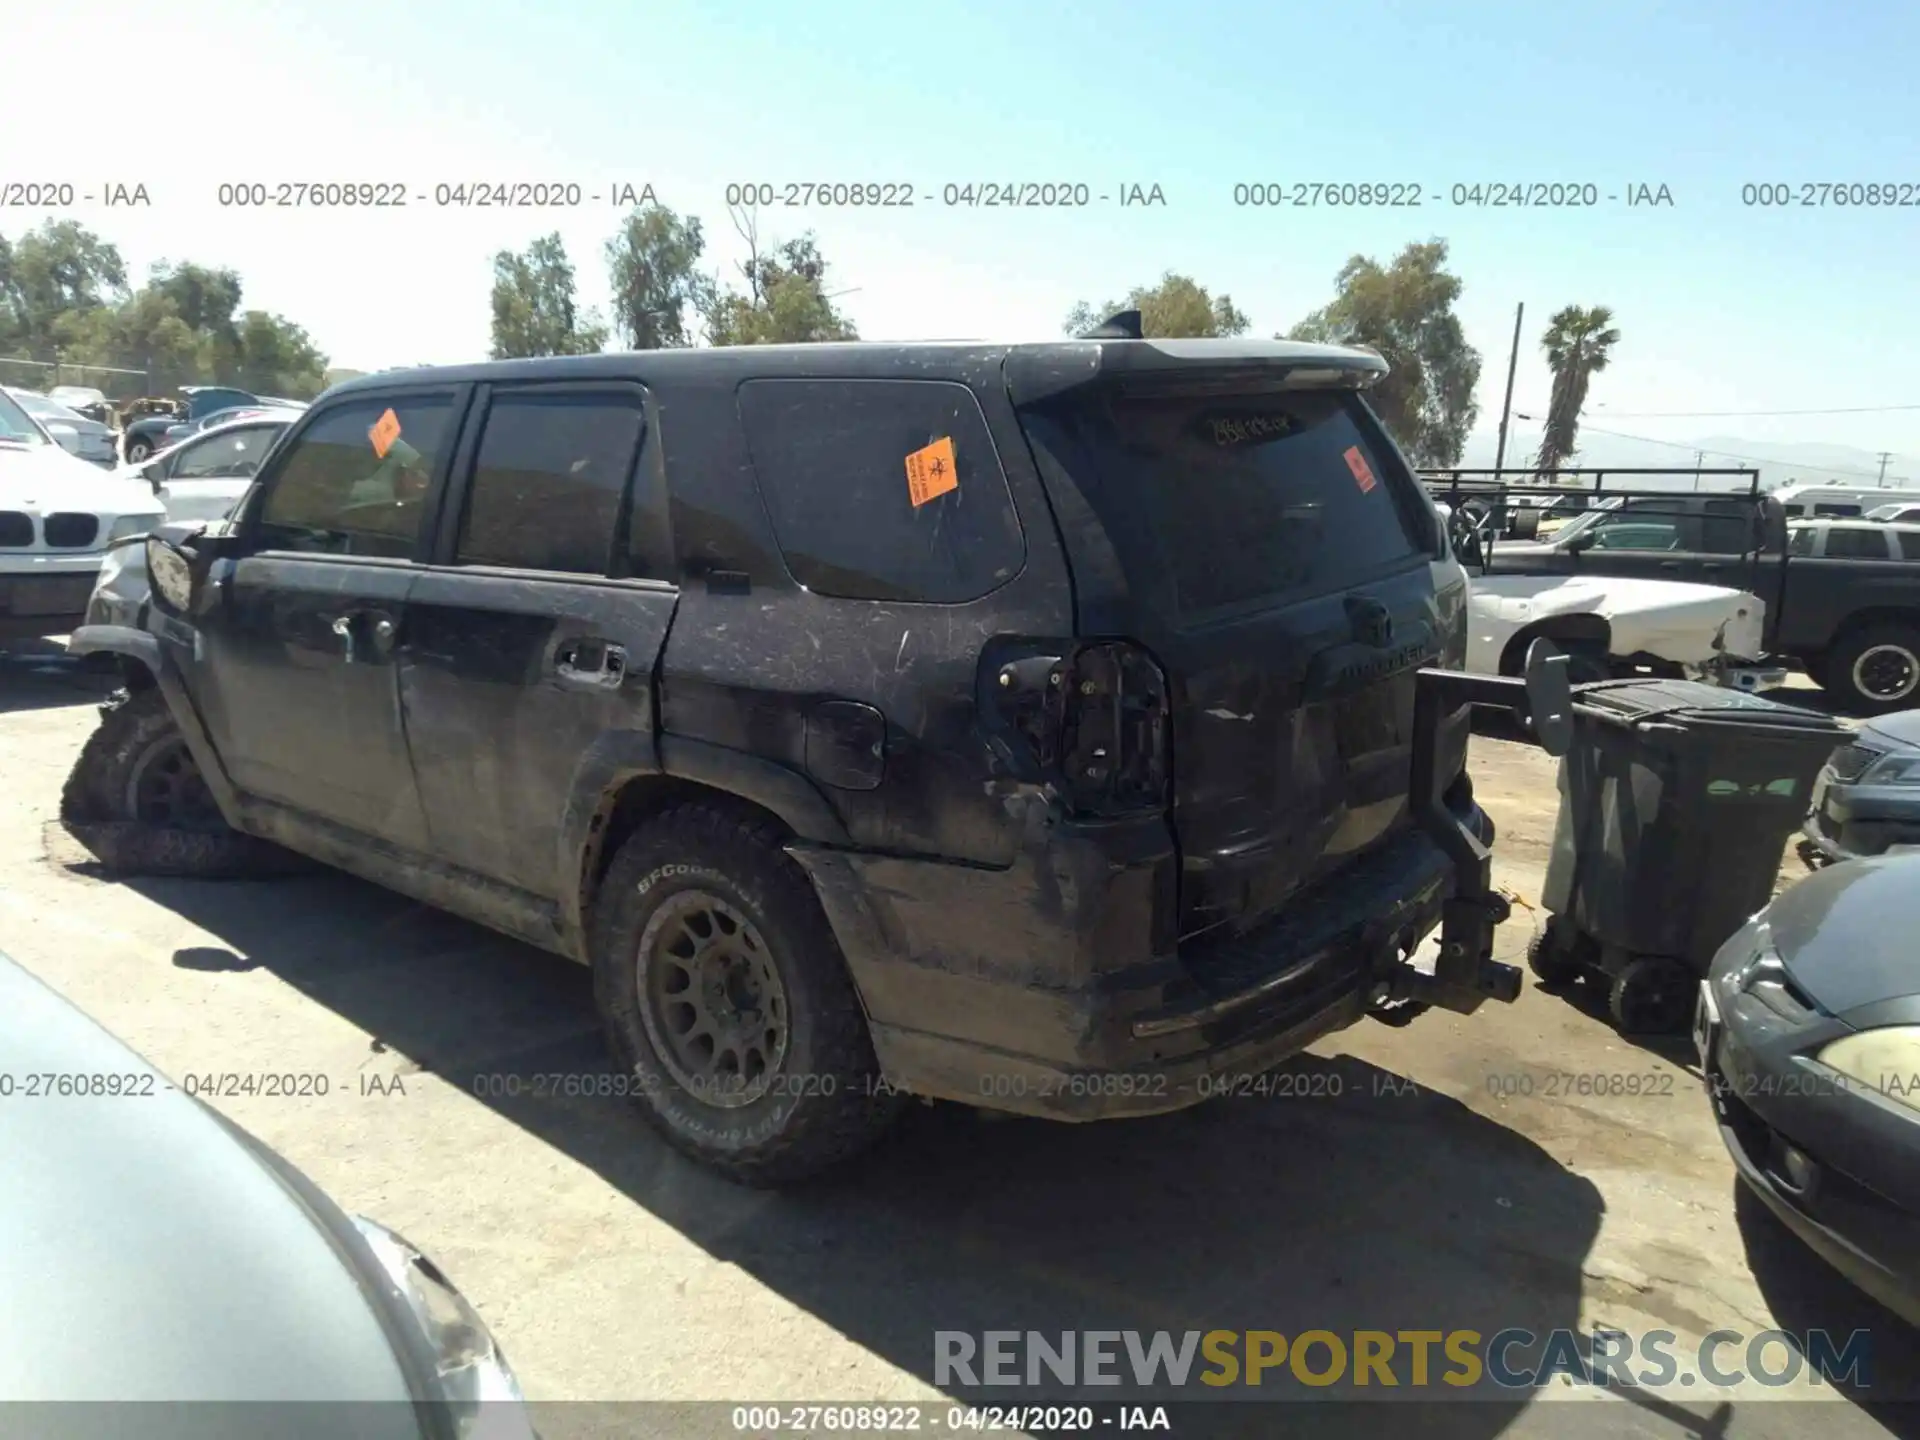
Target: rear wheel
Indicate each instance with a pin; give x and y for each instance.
(138, 449)
(1875, 669)
(1652, 996)
(727, 1003)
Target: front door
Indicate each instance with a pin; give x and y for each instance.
(533, 637)
(297, 679)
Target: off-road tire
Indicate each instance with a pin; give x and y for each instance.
(94, 809)
(829, 1102)
(1890, 640)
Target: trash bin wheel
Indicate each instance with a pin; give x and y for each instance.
(1555, 954)
(1652, 996)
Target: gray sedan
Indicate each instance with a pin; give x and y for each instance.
(1867, 799)
(1809, 1037)
(155, 1251)
(91, 440)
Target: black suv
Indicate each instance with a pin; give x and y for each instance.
(1029, 726)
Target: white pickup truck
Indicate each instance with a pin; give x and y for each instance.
(1614, 625)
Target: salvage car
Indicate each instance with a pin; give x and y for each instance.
(58, 516)
(1867, 799)
(92, 441)
(221, 1278)
(997, 724)
(1808, 1031)
(147, 435)
(200, 479)
(1614, 626)
(1842, 597)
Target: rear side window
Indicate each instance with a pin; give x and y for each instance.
(1862, 544)
(549, 481)
(355, 481)
(1727, 528)
(840, 465)
(1241, 499)
(1910, 544)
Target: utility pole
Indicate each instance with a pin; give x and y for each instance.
(1506, 408)
(1699, 458)
(1885, 456)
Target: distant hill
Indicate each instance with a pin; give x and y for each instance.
(1778, 464)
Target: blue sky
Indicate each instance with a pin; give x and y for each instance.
(1723, 307)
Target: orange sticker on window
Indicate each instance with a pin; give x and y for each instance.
(931, 472)
(1362, 472)
(385, 431)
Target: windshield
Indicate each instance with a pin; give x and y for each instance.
(43, 408)
(16, 426)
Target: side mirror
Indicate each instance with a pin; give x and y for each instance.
(179, 557)
(1582, 542)
(155, 474)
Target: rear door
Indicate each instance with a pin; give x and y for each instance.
(536, 629)
(1272, 549)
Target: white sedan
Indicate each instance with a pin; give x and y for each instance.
(201, 478)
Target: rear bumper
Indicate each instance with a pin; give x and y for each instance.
(1036, 989)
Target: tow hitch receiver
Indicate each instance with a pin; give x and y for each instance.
(1466, 974)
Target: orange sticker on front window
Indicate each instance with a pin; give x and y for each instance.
(385, 431)
(931, 472)
(1362, 472)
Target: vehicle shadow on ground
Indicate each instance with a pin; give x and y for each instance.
(40, 675)
(1374, 1204)
(1804, 1293)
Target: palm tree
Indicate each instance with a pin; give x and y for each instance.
(1577, 343)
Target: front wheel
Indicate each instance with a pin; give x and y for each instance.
(1557, 953)
(138, 450)
(136, 799)
(1875, 669)
(727, 1003)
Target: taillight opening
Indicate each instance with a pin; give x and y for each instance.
(1090, 719)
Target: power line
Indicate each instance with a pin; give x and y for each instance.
(1732, 455)
(1722, 414)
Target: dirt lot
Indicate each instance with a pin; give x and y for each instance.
(1433, 1182)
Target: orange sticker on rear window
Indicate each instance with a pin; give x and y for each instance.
(1362, 472)
(931, 472)
(385, 431)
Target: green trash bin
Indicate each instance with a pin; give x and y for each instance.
(1676, 803)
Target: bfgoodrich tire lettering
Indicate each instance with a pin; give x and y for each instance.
(823, 1101)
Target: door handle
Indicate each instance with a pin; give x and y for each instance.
(380, 629)
(592, 664)
(1669, 564)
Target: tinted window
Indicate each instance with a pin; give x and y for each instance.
(1852, 544)
(1239, 498)
(833, 463)
(1727, 528)
(1640, 534)
(352, 484)
(231, 456)
(1831, 507)
(1910, 544)
(549, 482)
